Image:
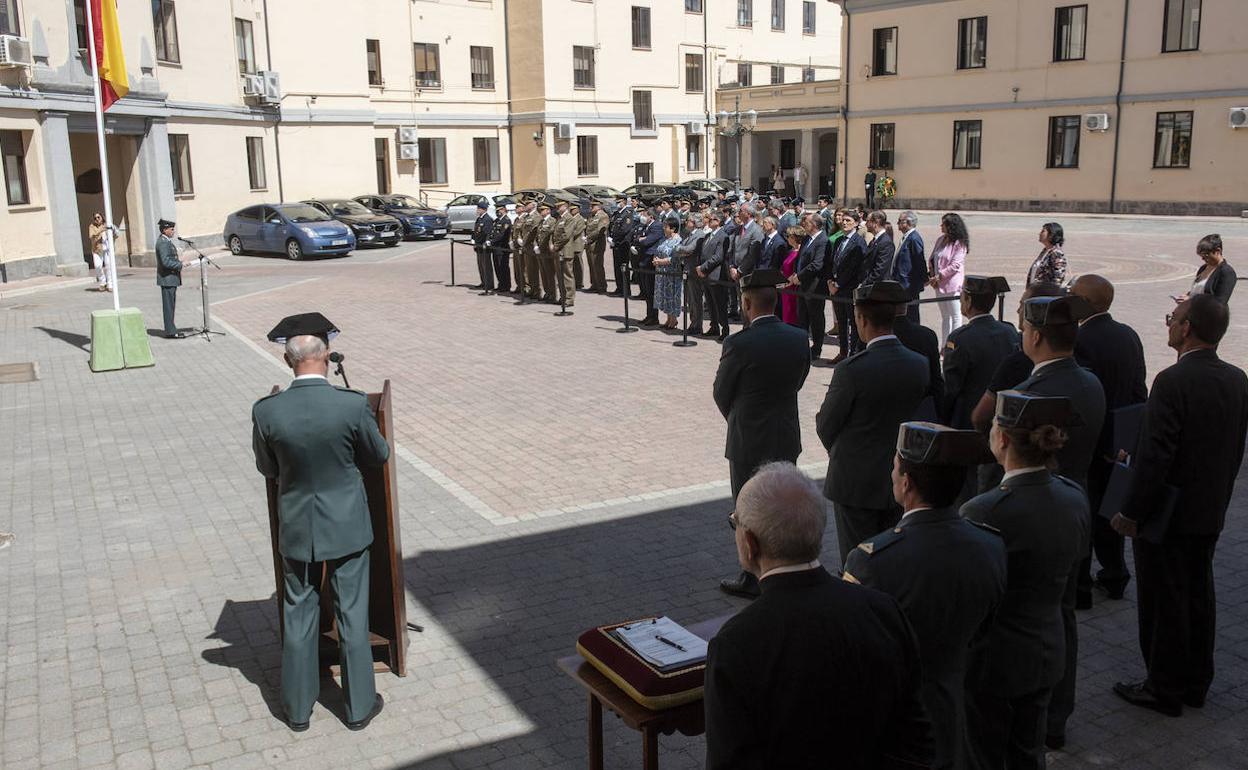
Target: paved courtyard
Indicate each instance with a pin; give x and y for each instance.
(553, 475)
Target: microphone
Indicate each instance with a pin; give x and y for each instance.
(336, 357)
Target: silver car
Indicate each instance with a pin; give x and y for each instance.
(462, 210)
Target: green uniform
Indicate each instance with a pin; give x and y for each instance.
(311, 438)
(547, 257)
(569, 240)
(168, 278)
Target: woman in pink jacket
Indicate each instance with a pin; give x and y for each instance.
(947, 269)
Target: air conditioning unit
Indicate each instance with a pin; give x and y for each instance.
(272, 87)
(1239, 117)
(565, 130)
(696, 128)
(253, 85)
(1096, 121)
(14, 51)
(407, 134)
(409, 152)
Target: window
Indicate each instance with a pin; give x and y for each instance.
(180, 162)
(808, 17)
(808, 74)
(13, 148)
(80, 23)
(587, 156)
(643, 110)
(1182, 26)
(381, 151)
(777, 74)
(745, 13)
(1172, 147)
(693, 153)
(1070, 32)
(583, 66)
(432, 160)
(165, 24)
(641, 27)
(745, 75)
(972, 43)
(9, 22)
(882, 145)
(485, 165)
(884, 51)
(372, 51)
(693, 73)
(693, 6)
(1064, 141)
(777, 15)
(643, 173)
(255, 162)
(245, 46)
(967, 135)
(428, 69)
(481, 60)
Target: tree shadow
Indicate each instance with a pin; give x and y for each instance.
(80, 341)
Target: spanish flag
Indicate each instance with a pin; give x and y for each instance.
(110, 60)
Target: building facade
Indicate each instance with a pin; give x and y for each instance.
(1105, 105)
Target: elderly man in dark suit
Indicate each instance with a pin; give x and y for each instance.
(1192, 442)
(810, 261)
(842, 277)
(947, 573)
(761, 370)
(1112, 351)
(1050, 326)
(714, 255)
(817, 672)
(870, 396)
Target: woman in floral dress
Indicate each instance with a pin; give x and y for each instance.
(667, 282)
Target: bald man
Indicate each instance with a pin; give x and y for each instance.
(1113, 352)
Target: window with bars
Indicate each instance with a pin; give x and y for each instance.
(643, 173)
(13, 151)
(583, 66)
(1182, 26)
(972, 43)
(1070, 32)
(808, 17)
(587, 156)
(255, 163)
(432, 165)
(245, 47)
(884, 51)
(777, 74)
(1172, 147)
(372, 49)
(481, 59)
(694, 82)
(165, 25)
(745, 13)
(745, 74)
(693, 153)
(643, 110)
(180, 162)
(485, 165)
(641, 27)
(777, 15)
(882, 137)
(428, 65)
(1064, 141)
(967, 138)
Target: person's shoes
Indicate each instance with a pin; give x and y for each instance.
(1138, 694)
(296, 727)
(815, 353)
(714, 332)
(477, 286)
(722, 337)
(1112, 590)
(745, 585)
(697, 332)
(615, 294)
(484, 293)
(374, 711)
(1056, 741)
(839, 357)
(176, 336)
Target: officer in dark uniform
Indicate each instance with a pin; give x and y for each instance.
(923, 341)
(1044, 521)
(947, 573)
(481, 237)
(500, 248)
(621, 230)
(974, 350)
(168, 276)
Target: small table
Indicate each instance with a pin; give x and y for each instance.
(688, 718)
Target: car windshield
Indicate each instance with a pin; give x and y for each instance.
(345, 208)
(601, 190)
(503, 200)
(404, 201)
(302, 212)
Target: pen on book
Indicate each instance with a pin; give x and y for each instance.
(670, 643)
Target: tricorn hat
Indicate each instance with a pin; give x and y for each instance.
(164, 223)
(313, 324)
(1020, 409)
(883, 292)
(763, 279)
(927, 443)
(979, 284)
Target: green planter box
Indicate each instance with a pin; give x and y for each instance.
(119, 340)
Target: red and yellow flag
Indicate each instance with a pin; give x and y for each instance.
(110, 60)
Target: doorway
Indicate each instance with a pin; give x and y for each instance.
(644, 173)
(827, 164)
(89, 189)
(381, 149)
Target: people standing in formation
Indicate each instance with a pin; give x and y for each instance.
(499, 241)
(596, 234)
(97, 235)
(481, 230)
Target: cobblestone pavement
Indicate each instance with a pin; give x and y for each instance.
(553, 474)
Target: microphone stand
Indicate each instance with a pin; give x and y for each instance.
(206, 331)
(338, 358)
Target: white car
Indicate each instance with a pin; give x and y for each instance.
(462, 210)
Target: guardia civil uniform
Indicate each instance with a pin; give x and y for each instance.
(972, 353)
(168, 277)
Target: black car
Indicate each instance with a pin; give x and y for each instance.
(418, 220)
(650, 193)
(370, 229)
(544, 194)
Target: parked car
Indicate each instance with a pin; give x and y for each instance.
(600, 191)
(649, 193)
(713, 185)
(418, 220)
(541, 194)
(293, 229)
(370, 229)
(462, 211)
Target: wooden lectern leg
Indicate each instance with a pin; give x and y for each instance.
(595, 734)
(650, 754)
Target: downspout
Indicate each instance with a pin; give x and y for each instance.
(849, 28)
(706, 95)
(1122, 65)
(511, 147)
(277, 121)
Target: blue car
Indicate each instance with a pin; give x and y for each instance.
(294, 229)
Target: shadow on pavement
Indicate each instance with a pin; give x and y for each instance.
(79, 341)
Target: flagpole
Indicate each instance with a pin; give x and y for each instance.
(110, 230)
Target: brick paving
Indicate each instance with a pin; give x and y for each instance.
(552, 474)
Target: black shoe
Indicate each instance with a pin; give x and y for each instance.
(615, 294)
(837, 359)
(296, 727)
(745, 585)
(697, 332)
(477, 286)
(1056, 742)
(636, 296)
(1138, 694)
(361, 724)
(722, 337)
(176, 336)
(714, 332)
(815, 353)
(1113, 590)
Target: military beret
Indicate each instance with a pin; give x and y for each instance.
(927, 443)
(544, 205)
(164, 224)
(1020, 409)
(1055, 311)
(883, 292)
(312, 324)
(763, 279)
(978, 284)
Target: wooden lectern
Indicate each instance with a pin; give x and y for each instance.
(387, 608)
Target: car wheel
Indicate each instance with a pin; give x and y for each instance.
(294, 251)
(236, 245)
(392, 245)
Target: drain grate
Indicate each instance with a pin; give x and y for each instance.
(11, 374)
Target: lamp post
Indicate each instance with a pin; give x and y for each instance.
(737, 124)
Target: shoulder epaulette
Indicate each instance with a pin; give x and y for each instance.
(995, 495)
(351, 390)
(881, 541)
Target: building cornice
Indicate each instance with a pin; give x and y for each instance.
(1039, 104)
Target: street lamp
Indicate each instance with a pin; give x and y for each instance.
(737, 124)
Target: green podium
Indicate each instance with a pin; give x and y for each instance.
(119, 340)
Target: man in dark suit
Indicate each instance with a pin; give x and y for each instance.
(646, 239)
(620, 230)
(868, 183)
(1113, 352)
(168, 277)
(947, 573)
(745, 253)
(881, 250)
(910, 262)
(806, 277)
(1192, 442)
(774, 248)
(761, 370)
(923, 341)
(714, 255)
(311, 438)
(871, 394)
(1050, 326)
(974, 350)
(481, 244)
(817, 672)
(842, 278)
(500, 247)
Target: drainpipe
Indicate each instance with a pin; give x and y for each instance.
(849, 28)
(277, 116)
(511, 147)
(706, 96)
(1122, 65)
